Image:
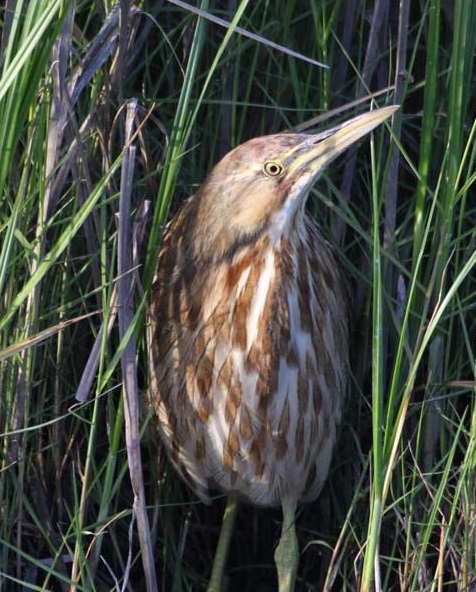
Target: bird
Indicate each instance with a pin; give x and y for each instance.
(249, 328)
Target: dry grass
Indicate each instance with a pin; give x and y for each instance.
(102, 114)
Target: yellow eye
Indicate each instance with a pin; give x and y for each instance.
(272, 168)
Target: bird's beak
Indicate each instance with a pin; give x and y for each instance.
(318, 150)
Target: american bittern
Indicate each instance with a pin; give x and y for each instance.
(249, 330)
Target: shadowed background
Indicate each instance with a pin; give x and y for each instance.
(401, 215)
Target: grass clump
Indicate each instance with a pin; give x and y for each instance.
(106, 108)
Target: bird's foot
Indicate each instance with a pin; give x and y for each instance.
(226, 532)
(286, 555)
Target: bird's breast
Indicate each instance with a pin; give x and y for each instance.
(251, 382)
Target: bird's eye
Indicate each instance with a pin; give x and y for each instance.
(272, 168)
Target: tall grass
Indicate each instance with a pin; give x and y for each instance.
(398, 510)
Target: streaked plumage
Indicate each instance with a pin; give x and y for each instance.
(249, 324)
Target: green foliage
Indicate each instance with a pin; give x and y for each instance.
(398, 511)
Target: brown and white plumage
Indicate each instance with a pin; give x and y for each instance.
(249, 325)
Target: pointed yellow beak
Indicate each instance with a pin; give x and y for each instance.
(318, 150)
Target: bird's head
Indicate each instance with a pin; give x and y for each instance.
(262, 185)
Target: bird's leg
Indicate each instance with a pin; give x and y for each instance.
(286, 555)
(219, 561)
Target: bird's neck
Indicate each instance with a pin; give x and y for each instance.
(275, 243)
(289, 224)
